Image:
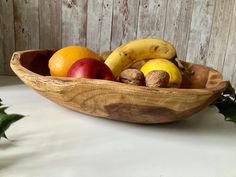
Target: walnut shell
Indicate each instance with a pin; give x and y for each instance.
(157, 78)
(132, 76)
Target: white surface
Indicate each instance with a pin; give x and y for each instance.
(56, 142)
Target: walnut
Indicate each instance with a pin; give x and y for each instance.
(132, 76)
(157, 78)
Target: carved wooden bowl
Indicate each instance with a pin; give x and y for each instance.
(119, 101)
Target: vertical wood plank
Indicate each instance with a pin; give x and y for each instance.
(229, 67)
(7, 36)
(199, 37)
(219, 34)
(50, 24)
(99, 21)
(177, 26)
(124, 22)
(152, 15)
(2, 57)
(74, 22)
(26, 24)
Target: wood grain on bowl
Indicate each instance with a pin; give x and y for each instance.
(115, 100)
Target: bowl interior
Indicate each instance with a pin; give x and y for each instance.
(37, 62)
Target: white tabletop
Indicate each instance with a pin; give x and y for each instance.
(52, 141)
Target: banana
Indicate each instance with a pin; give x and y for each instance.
(147, 48)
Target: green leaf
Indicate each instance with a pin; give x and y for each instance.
(230, 91)
(6, 120)
(2, 109)
(227, 107)
(227, 104)
(0, 102)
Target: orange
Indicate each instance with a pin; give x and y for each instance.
(61, 61)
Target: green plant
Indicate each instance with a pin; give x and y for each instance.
(227, 104)
(6, 120)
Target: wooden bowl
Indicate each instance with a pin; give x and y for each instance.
(119, 101)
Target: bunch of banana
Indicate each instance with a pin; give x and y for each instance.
(142, 49)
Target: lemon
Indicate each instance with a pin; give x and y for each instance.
(164, 65)
(61, 61)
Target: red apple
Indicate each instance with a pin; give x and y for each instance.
(90, 68)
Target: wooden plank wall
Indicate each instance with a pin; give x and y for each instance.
(203, 31)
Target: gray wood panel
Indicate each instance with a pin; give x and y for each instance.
(229, 66)
(26, 24)
(178, 23)
(50, 24)
(152, 16)
(7, 37)
(2, 56)
(125, 21)
(201, 25)
(99, 22)
(74, 22)
(203, 31)
(219, 34)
